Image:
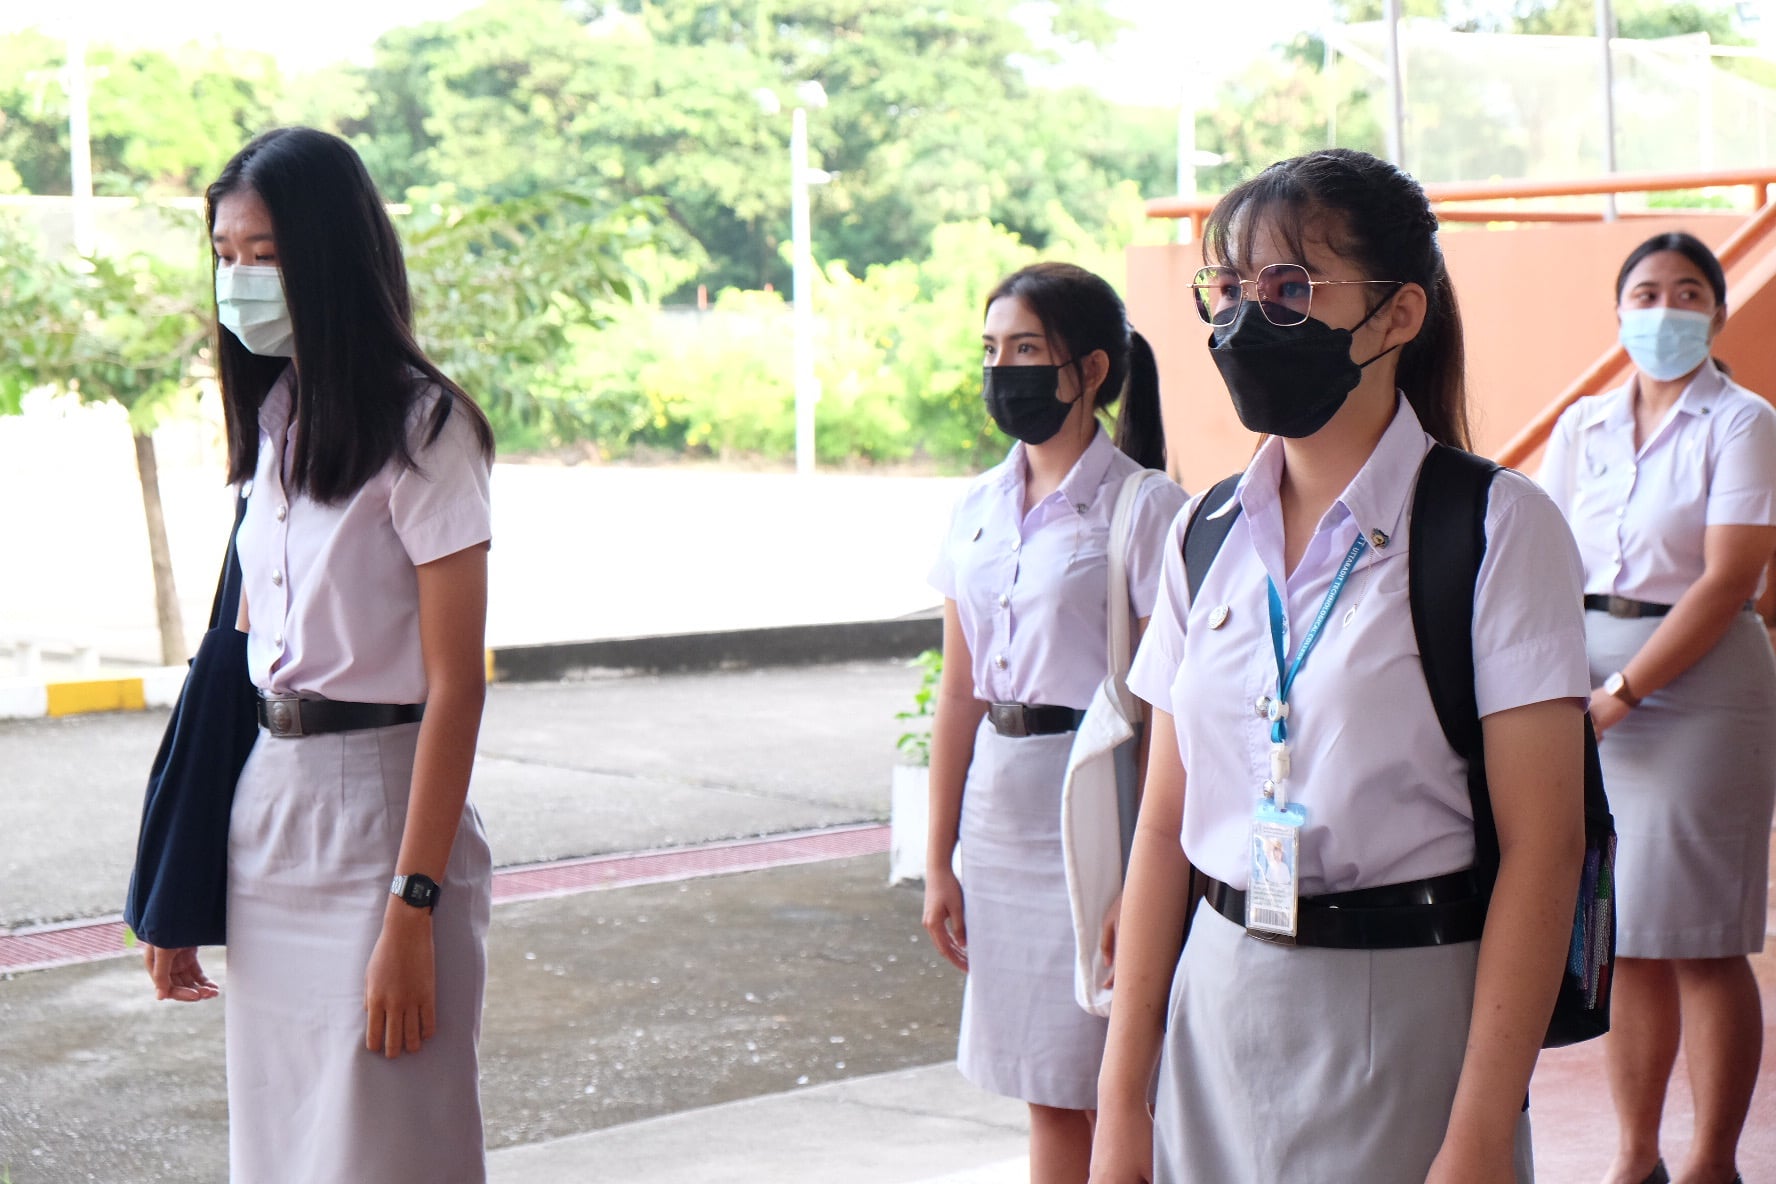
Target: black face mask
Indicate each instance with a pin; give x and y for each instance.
(1024, 402)
(1287, 380)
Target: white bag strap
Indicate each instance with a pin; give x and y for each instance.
(1121, 526)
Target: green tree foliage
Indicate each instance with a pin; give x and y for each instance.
(502, 289)
(122, 330)
(160, 123)
(929, 119)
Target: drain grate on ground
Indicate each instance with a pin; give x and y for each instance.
(49, 946)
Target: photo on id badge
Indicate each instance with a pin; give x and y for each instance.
(1272, 899)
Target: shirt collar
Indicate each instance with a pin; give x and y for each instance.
(1616, 408)
(1376, 497)
(1080, 486)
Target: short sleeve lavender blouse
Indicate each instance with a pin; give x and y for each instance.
(1639, 516)
(1031, 589)
(1386, 797)
(332, 591)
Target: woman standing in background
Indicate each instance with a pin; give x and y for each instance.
(1669, 484)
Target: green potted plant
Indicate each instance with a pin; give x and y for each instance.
(909, 804)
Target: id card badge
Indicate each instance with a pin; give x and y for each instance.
(1274, 896)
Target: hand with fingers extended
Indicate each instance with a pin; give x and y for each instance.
(943, 915)
(401, 984)
(177, 974)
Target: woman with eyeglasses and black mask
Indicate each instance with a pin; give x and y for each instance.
(1024, 572)
(1669, 483)
(1289, 704)
(359, 879)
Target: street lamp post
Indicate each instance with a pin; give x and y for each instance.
(807, 386)
(801, 261)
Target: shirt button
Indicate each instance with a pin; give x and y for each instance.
(281, 511)
(277, 578)
(1016, 544)
(278, 640)
(999, 661)
(1004, 601)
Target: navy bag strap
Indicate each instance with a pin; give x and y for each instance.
(1205, 532)
(1447, 544)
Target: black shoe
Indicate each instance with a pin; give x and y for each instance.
(1658, 1175)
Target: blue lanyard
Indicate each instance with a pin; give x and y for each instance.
(1279, 727)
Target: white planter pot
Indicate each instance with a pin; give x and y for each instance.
(909, 813)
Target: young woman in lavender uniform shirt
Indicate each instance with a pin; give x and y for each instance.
(1024, 572)
(353, 1014)
(1336, 331)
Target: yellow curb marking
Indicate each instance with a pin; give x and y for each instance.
(111, 694)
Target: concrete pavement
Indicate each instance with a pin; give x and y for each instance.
(773, 1026)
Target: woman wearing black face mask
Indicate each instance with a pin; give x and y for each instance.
(1288, 1046)
(1024, 572)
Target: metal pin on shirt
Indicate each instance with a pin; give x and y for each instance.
(1218, 616)
(1378, 538)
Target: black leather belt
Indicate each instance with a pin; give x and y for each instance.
(1032, 719)
(289, 716)
(1439, 911)
(1621, 606)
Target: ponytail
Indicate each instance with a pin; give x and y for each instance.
(1139, 432)
(1433, 368)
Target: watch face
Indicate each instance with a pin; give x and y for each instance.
(1614, 683)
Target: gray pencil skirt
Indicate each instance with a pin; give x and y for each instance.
(312, 842)
(1022, 1033)
(1691, 777)
(1311, 1065)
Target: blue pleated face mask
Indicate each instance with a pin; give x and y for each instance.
(1666, 343)
(250, 304)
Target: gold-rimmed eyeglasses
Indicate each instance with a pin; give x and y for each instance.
(1284, 292)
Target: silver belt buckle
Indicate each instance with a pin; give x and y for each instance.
(1621, 606)
(1009, 720)
(283, 717)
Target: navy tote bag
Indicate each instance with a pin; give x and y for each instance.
(178, 893)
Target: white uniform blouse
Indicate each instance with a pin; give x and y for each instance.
(1639, 517)
(1386, 797)
(1030, 588)
(332, 595)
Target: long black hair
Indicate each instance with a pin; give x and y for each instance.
(352, 317)
(1687, 245)
(1083, 313)
(1371, 213)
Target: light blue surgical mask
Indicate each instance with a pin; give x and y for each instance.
(250, 304)
(1666, 343)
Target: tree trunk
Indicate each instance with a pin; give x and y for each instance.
(166, 596)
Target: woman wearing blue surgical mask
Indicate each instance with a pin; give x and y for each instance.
(1669, 484)
(359, 877)
(1024, 572)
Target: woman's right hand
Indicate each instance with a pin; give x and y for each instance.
(1122, 1146)
(943, 915)
(177, 974)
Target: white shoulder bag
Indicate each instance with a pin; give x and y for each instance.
(1100, 795)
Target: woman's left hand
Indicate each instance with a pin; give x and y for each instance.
(1107, 940)
(401, 985)
(1606, 711)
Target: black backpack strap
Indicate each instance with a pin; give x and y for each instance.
(1447, 544)
(1205, 532)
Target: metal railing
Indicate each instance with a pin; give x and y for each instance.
(1449, 200)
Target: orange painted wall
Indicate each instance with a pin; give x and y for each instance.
(1537, 309)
